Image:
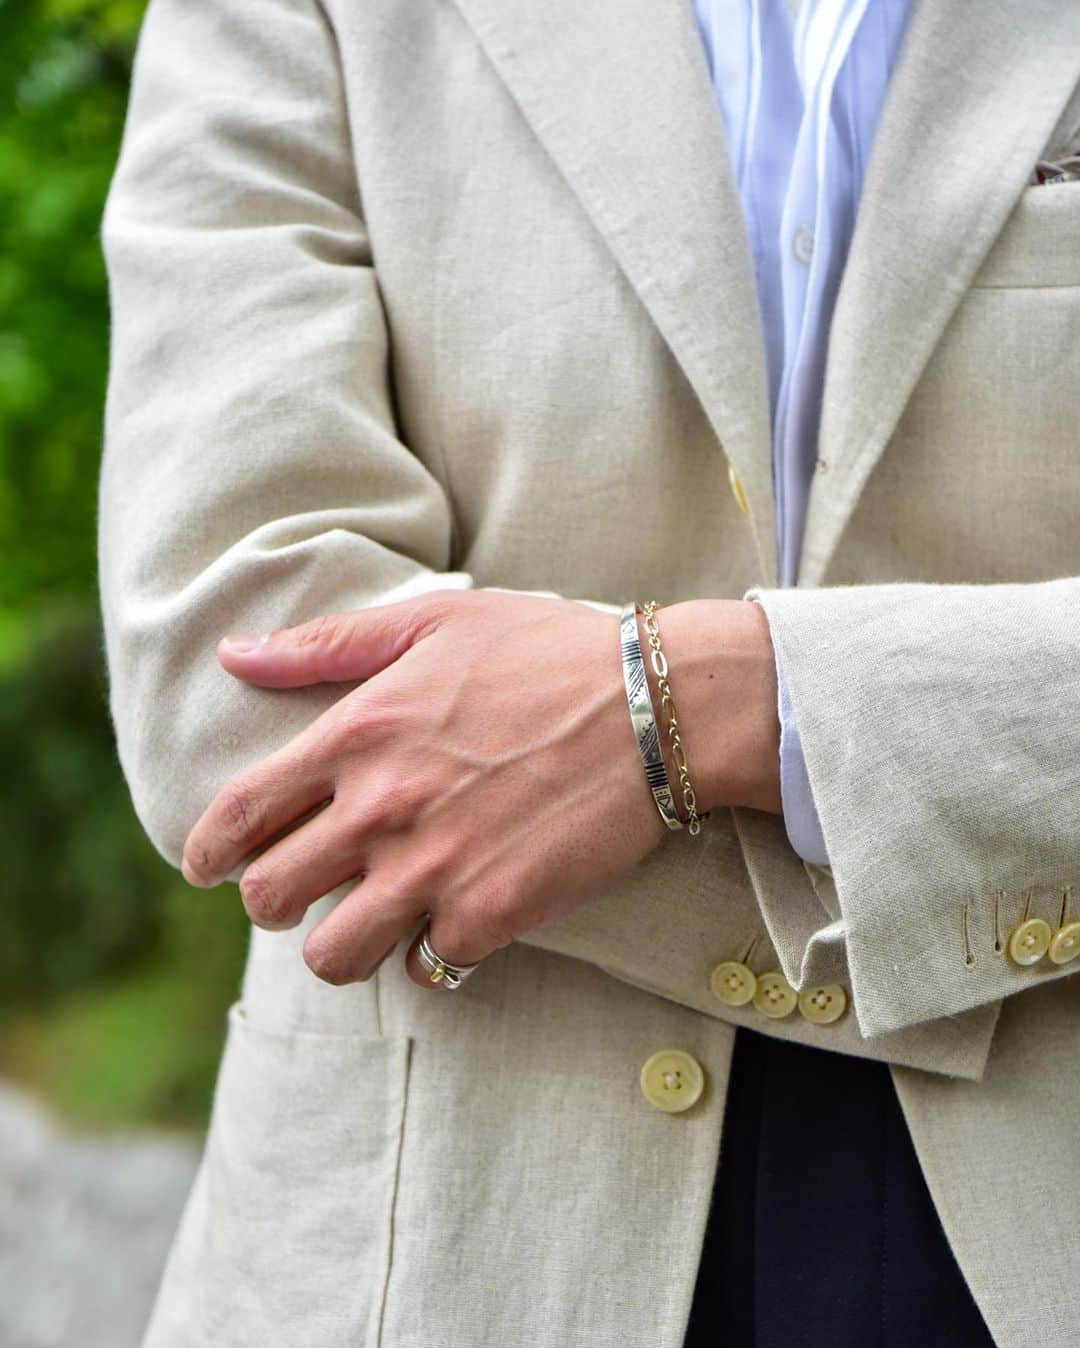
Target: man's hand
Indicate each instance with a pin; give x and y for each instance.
(485, 773)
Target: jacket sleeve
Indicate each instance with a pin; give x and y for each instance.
(940, 725)
(253, 475)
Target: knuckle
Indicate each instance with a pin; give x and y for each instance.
(364, 714)
(199, 859)
(424, 875)
(240, 812)
(493, 915)
(400, 906)
(388, 807)
(433, 863)
(378, 715)
(323, 632)
(326, 641)
(260, 898)
(437, 606)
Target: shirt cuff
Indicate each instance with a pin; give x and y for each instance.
(800, 813)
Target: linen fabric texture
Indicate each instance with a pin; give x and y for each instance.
(367, 344)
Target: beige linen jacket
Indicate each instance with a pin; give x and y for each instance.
(431, 293)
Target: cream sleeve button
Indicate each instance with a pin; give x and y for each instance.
(672, 1080)
(824, 1004)
(1029, 941)
(1065, 945)
(738, 490)
(774, 995)
(733, 982)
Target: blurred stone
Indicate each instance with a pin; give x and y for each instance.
(85, 1224)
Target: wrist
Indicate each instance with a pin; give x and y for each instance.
(722, 672)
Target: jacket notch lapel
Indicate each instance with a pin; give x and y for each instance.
(970, 105)
(620, 97)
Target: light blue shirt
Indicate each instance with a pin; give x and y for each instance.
(799, 98)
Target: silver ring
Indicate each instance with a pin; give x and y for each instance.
(440, 970)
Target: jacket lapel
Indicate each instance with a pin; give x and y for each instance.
(975, 95)
(618, 92)
(619, 95)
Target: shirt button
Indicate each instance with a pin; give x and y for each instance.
(1029, 941)
(774, 996)
(1066, 943)
(733, 982)
(823, 1005)
(738, 491)
(672, 1080)
(802, 244)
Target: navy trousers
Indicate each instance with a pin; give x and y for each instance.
(821, 1229)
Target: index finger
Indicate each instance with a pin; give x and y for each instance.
(258, 804)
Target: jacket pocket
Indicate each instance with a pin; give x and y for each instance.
(300, 1172)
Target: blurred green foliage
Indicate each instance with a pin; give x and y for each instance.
(64, 71)
(114, 973)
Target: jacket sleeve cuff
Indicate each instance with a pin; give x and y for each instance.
(941, 733)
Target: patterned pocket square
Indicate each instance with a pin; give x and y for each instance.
(1064, 169)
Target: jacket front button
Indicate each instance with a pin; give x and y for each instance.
(672, 1080)
(1066, 943)
(774, 997)
(733, 982)
(1029, 941)
(823, 1005)
(737, 489)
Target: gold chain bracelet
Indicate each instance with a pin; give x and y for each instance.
(678, 753)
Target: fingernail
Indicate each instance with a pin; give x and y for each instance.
(245, 641)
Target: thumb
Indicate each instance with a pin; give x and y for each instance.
(334, 647)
